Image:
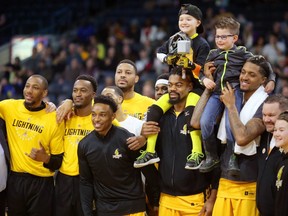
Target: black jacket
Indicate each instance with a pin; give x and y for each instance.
(106, 171)
(173, 146)
(281, 184)
(267, 170)
(200, 48)
(228, 65)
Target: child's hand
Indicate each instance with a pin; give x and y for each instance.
(269, 87)
(209, 69)
(209, 84)
(171, 59)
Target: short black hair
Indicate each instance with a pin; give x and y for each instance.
(163, 76)
(117, 90)
(89, 78)
(106, 100)
(178, 71)
(128, 61)
(265, 66)
(44, 80)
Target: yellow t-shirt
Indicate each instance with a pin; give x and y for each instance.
(75, 129)
(137, 106)
(25, 129)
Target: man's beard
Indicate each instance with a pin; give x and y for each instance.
(124, 89)
(78, 106)
(174, 100)
(29, 104)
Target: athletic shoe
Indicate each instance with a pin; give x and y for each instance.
(194, 161)
(145, 159)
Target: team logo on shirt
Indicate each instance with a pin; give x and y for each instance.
(27, 130)
(117, 155)
(279, 176)
(184, 130)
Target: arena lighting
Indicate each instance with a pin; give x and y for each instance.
(21, 46)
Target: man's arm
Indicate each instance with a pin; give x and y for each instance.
(152, 180)
(86, 183)
(243, 134)
(65, 110)
(199, 108)
(136, 142)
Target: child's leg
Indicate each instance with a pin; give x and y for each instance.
(195, 158)
(208, 122)
(191, 102)
(154, 114)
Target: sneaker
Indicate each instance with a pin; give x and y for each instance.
(209, 164)
(194, 161)
(145, 159)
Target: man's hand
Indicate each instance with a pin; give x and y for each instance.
(228, 97)
(136, 142)
(208, 205)
(185, 63)
(39, 154)
(150, 128)
(209, 84)
(64, 111)
(50, 107)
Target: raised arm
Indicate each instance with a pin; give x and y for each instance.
(243, 134)
(195, 120)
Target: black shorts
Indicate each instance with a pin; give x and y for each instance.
(30, 195)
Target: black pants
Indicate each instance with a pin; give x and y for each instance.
(2, 202)
(30, 195)
(67, 196)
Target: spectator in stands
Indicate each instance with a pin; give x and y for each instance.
(32, 62)
(274, 49)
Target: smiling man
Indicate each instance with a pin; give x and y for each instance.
(237, 193)
(106, 166)
(36, 146)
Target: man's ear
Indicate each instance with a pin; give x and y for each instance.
(190, 86)
(120, 100)
(113, 116)
(45, 93)
(136, 78)
(264, 80)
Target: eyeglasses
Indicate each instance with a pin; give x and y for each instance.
(222, 37)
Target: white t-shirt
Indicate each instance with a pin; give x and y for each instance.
(133, 125)
(3, 170)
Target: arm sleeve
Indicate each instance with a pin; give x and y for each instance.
(272, 76)
(86, 183)
(152, 184)
(164, 48)
(161, 56)
(54, 162)
(215, 177)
